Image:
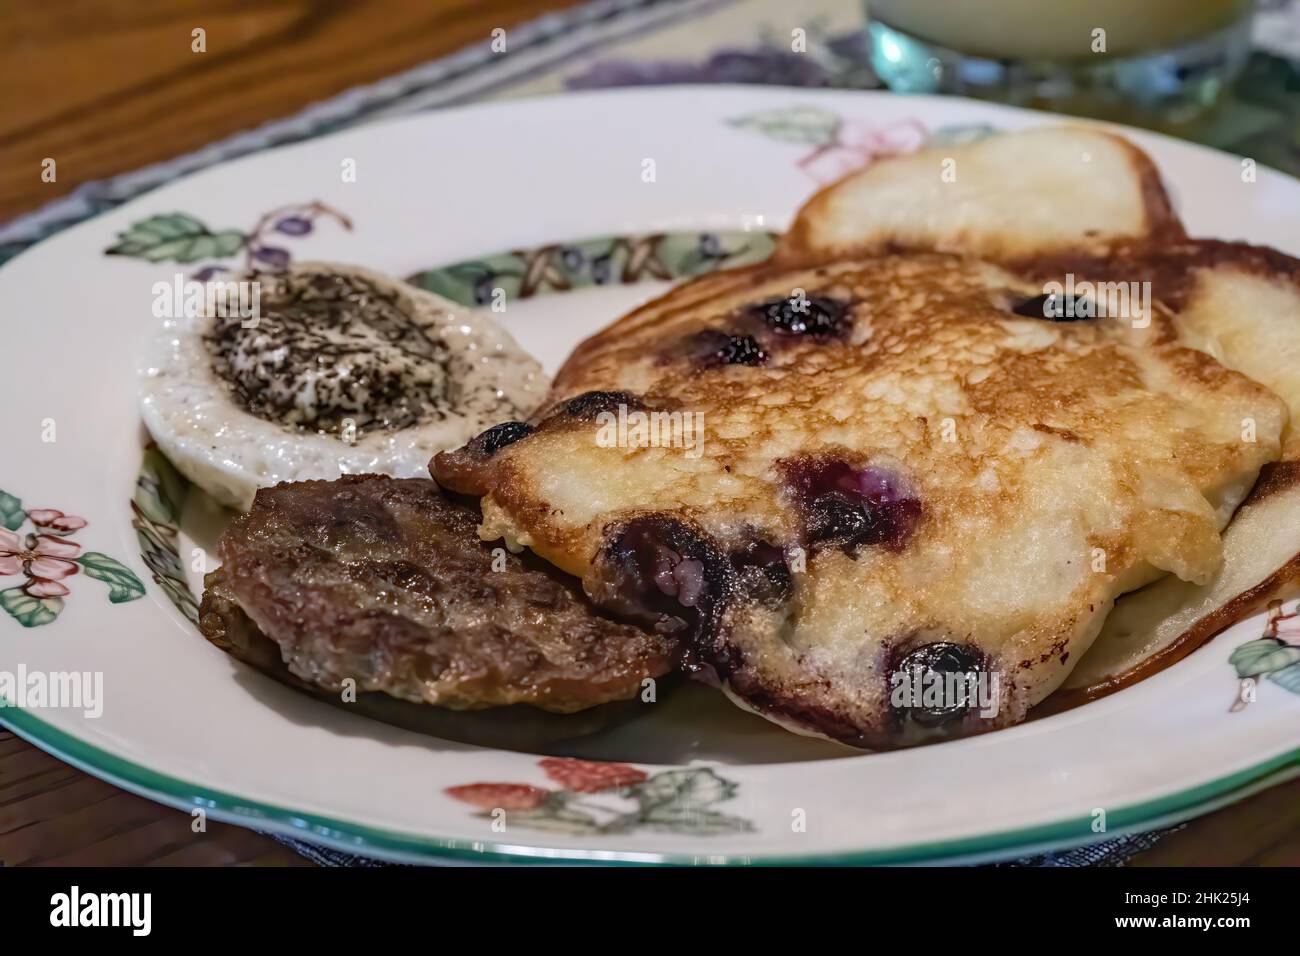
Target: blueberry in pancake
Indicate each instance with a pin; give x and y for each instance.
(904, 469)
(384, 581)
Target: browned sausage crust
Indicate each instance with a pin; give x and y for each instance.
(385, 581)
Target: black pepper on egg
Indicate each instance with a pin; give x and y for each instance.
(332, 352)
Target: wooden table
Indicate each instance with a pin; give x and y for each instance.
(104, 87)
(107, 86)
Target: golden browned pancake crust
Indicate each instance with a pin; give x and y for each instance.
(901, 465)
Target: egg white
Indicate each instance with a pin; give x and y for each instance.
(230, 453)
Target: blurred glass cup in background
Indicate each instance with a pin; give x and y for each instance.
(1155, 63)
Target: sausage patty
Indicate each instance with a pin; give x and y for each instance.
(385, 581)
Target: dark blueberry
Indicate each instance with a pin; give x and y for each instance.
(848, 506)
(833, 518)
(762, 573)
(294, 226)
(498, 437)
(914, 671)
(601, 270)
(713, 348)
(590, 404)
(742, 350)
(803, 315)
(656, 570)
(1055, 308)
(710, 245)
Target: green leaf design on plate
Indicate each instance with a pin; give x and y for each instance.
(592, 262)
(178, 237)
(471, 282)
(554, 816)
(160, 493)
(694, 788)
(122, 583)
(808, 125)
(27, 610)
(958, 134)
(1288, 677)
(697, 821)
(690, 254)
(604, 260)
(1263, 656)
(160, 490)
(11, 511)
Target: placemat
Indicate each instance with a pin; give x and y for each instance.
(610, 43)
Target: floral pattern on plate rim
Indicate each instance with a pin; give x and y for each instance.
(601, 799)
(1272, 655)
(47, 556)
(606, 260)
(180, 237)
(160, 492)
(842, 145)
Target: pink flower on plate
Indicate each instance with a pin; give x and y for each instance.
(590, 776)
(858, 144)
(10, 553)
(56, 521)
(1283, 626)
(499, 796)
(46, 561)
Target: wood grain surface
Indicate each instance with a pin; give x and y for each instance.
(1261, 831)
(53, 815)
(106, 86)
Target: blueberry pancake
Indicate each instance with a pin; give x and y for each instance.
(906, 464)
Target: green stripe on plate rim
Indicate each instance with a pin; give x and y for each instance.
(362, 839)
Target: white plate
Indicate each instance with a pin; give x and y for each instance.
(186, 725)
